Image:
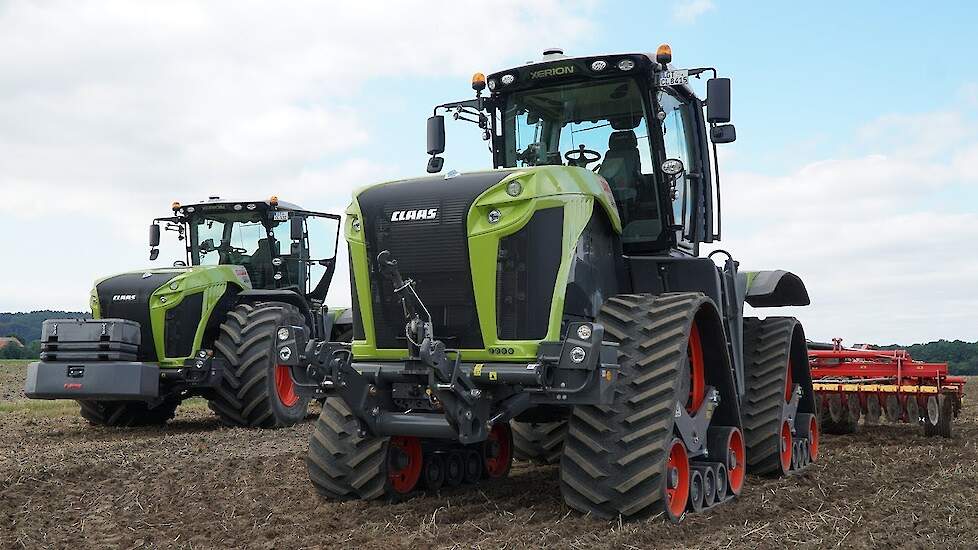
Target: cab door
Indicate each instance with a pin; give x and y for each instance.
(680, 137)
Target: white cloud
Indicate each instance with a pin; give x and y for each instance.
(110, 110)
(688, 11)
(882, 240)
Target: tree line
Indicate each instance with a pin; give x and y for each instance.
(961, 357)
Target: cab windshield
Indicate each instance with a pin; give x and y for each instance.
(601, 126)
(239, 239)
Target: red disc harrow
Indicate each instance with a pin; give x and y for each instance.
(875, 383)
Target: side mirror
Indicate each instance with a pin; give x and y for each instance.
(295, 228)
(718, 100)
(153, 254)
(436, 135)
(435, 165)
(154, 235)
(725, 133)
(207, 246)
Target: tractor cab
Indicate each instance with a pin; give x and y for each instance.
(278, 244)
(629, 118)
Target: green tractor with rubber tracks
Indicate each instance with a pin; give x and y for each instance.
(205, 326)
(557, 307)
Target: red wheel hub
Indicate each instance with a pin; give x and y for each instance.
(737, 463)
(677, 480)
(788, 383)
(403, 463)
(498, 451)
(284, 386)
(785, 446)
(697, 370)
(813, 437)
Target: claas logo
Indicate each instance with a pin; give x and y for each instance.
(406, 215)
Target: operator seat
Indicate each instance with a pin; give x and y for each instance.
(260, 269)
(622, 167)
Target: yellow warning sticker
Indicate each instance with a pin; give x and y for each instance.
(492, 375)
(477, 370)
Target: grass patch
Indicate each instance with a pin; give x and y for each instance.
(40, 407)
(16, 362)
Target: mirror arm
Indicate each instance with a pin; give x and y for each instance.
(716, 172)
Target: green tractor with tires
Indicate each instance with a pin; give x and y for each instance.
(205, 326)
(557, 307)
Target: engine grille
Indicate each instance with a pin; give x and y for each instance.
(181, 325)
(434, 252)
(526, 275)
(136, 309)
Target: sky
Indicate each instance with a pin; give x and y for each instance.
(856, 163)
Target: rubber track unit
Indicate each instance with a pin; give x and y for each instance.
(614, 457)
(341, 464)
(767, 345)
(246, 395)
(540, 443)
(127, 413)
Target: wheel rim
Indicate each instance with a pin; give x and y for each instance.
(785, 446)
(813, 438)
(499, 452)
(697, 370)
(788, 383)
(737, 465)
(284, 386)
(677, 479)
(403, 477)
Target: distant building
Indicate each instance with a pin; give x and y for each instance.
(9, 341)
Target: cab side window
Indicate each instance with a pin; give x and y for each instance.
(675, 121)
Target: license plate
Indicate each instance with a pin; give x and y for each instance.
(674, 78)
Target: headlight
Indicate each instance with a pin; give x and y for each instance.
(507, 79)
(599, 65)
(514, 188)
(626, 65)
(495, 215)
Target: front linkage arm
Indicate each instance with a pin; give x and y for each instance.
(466, 399)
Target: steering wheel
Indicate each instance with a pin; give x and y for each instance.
(581, 157)
(227, 248)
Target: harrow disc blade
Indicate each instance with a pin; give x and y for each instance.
(893, 409)
(913, 410)
(873, 409)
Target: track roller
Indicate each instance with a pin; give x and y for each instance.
(454, 469)
(696, 491)
(806, 426)
(434, 471)
(720, 472)
(726, 444)
(473, 466)
(677, 481)
(498, 452)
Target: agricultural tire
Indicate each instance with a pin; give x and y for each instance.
(767, 358)
(615, 456)
(342, 464)
(255, 390)
(127, 413)
(540, 443)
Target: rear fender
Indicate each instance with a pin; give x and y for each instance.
(772, 288)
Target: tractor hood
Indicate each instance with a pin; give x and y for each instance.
(454, 235)
(165, 301)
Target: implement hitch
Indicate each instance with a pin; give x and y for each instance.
(435, 393)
